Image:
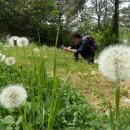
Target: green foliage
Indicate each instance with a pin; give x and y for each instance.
(48, 35)
(47, 97)
(8, 73)
(74, 112)
(10, 122)
(105, 37)
(26, 18)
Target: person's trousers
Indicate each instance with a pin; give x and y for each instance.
(88, 57)
(76, 56)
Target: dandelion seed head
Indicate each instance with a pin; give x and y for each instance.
(22, 42)
(125, 40)
(13, 40)
(114, 62)
(93, 72)
(36, 51)
(96, 61)
(127, 101)
(107, 113)
(10, 61)
(13, 96)
(2, 57)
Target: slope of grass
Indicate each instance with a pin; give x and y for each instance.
(74, 112)
(93, 86)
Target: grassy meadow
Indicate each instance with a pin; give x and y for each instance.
(62, 94)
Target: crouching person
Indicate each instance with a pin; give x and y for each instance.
(86, 47)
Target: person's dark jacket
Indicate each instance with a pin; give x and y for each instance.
(76, 46)
(85, 49)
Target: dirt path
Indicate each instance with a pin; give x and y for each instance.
(104, 92)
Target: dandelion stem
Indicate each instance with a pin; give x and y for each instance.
(54, 105)
(117, 101)
(111, 116)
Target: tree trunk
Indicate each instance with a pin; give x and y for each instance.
(116, 19)
(99, 22)
(105, 16)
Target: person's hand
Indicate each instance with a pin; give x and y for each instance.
(62, 47)
(66, 48)
(69, 49)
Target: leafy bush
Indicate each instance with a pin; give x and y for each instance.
(105, 37)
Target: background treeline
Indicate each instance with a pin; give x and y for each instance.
(39, 19)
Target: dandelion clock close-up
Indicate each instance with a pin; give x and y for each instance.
(36, 51)
(13, 96)
(13, 40)
(22, 42)
(10, 61)
(114, 62)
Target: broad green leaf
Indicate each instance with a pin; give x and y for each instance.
(17, 128)
(9, 128)
(9, 120)
(20, 119)
(92, 128)
(128, 128)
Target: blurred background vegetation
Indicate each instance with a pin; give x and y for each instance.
(106, 20)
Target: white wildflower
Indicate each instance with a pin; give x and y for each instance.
(6, 46)
(2, 57)
(93, 72)
(13, 96)
(13, 40)
(8, 38)
(107, 113)
(127, 101)
(125, 40)
(22, 42)
(96, 61)
(36, 51)
(114, 62)
(10, 61)
(45, 56)
(79, 73)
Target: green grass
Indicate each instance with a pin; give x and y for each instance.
(94, 87)
(84, 97)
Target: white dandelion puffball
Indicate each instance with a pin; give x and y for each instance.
(13, 40)
(36, 51)
(10, 61)
(13, 96)
(22, 42)
(127, 101)
(93, 72)
(114, 62)
(125, 40)
(2, 57)
(96, 61)
(45, 56)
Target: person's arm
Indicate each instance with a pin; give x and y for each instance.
(84, 46)
(68, 49)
